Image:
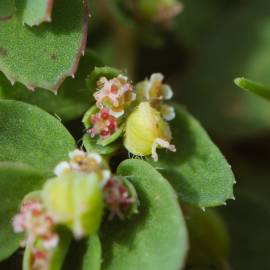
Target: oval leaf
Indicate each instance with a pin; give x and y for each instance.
(44, 56)
(16, 180)
(72, 100)
(198, 171)
(156, 238)
(32, 136)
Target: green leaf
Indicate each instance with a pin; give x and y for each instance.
(156, 238)
(30, 135)
(198, 171)
(59, 253)
(84, 254)
(91, 145)
(73, 98)
(44, 56)
(254, 87)
(16, 180)
(97, 73)
(209, 239)
(7, 8)
(37, 11)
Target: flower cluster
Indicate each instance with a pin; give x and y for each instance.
(112, 98)
(118, 198)
(75, 199)
(156, 93)
(39, 228)
(104, 124)
(81, 161)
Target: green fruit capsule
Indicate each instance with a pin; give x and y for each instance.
(75, 200)
(146, 131)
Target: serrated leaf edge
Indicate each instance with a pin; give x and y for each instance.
(73, 68)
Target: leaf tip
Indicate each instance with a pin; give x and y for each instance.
(238, 80)
(241, 82)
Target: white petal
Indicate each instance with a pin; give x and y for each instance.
(123, 77)
(117, 114)
(61, 167)
(106, 177)
(95, 156)
(156, 77)
(76, 153)
(77, 229)
(52, 242)
(163, 144)
(167, 91)
(168, 112)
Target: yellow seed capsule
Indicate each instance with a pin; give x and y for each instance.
(146, 131)
(75, 200)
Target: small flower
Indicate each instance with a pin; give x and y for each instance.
(115, 94)
(61, 168)
(104, 124)
(40, 259)
(153, 89)
(81, 161)
(167, 112)
(39, 228)
(146, 131)
(155, 92)
(118, 198)
(36, 223)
